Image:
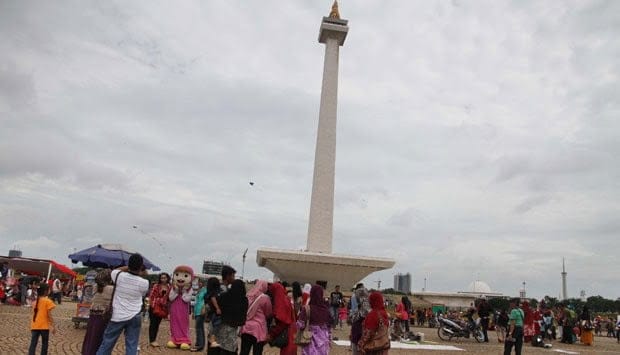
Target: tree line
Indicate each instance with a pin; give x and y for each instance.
(596, 304)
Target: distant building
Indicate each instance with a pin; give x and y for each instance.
(461, 299)
(212, 268)
(14, 253)
(402, 283)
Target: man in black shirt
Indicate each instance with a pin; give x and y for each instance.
(335, 299)
(484, 311)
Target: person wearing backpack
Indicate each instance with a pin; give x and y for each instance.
(360, 307)
(234, 306)
(567, 321)
(514, 337)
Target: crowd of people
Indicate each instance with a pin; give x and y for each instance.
(285, 316)
(230, 321)
(23, 290)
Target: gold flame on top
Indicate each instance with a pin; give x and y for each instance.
(335, 13)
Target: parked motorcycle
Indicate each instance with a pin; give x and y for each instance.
(449, 329)
(432, 322)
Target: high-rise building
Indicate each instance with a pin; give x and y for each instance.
(14, 253)
(402, 283)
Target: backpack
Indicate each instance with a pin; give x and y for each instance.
(362, 309)
(571, 316)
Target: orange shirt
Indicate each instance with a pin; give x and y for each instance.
(42, 320)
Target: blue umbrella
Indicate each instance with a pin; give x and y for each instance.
(107, 255)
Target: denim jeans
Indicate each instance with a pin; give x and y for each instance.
(114, 330)
(45, 335)
(333, 311)
(200, 332)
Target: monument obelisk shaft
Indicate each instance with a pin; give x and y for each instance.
(317, 262)
(333, 33)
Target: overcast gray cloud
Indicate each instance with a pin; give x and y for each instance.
(483, 136)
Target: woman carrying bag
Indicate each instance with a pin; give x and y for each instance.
(375, 337)
(96, 321)
(254, 331)
(282, 333)
(318, 321)
(158, 306)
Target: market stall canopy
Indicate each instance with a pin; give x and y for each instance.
(40, 267)
(107, 255)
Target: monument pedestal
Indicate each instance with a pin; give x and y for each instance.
(309, 267)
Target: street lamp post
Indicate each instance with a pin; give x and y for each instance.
(243, 265)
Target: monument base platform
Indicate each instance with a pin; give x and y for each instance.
(309, 267)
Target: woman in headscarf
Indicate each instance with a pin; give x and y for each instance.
(319, 320)
(284, 318)
(297, 297)
(254, 331)
(234, 305)
(528, 322)
(376, 320)
(305, 294)
(96, 324)
(359, 309)
(585, 320)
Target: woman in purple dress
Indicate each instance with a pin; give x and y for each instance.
(96, 323)
(319, 321)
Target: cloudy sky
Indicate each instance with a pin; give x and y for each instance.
(476, 140)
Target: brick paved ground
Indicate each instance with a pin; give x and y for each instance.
(15, 337)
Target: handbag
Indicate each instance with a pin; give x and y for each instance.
(160, 305)
(304, 336)
(107, 315)
(281, 341)
(160, 308)
(380, 340)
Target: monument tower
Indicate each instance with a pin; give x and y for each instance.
(564, 295)
(332, 33)
(317, 263)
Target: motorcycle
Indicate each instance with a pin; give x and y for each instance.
(432, 322)
(449, 329)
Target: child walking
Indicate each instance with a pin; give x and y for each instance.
(342, 314)
(42, 323)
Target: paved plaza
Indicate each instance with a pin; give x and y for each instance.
(14, 325)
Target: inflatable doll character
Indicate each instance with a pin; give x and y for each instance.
(180, 297)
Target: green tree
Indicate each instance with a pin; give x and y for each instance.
(499, 303)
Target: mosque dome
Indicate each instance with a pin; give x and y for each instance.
(479, 287)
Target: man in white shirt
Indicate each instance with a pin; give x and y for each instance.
(130, 288)
(57, 290)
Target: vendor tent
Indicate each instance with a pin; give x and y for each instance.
(40, 267)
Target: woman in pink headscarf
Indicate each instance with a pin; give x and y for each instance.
(254, 332)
